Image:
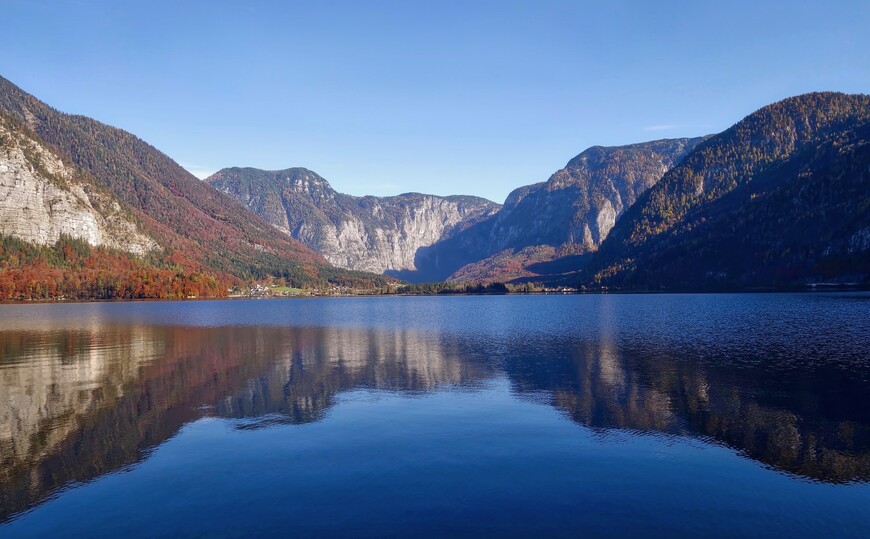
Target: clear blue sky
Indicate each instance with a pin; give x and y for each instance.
(441, 97)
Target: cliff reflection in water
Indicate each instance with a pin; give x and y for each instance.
(80, 403)
(84, 403)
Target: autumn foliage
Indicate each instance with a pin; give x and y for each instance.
(72, 269)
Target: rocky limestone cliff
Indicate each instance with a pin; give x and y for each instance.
(198, 228)
(573, 210)
(42, 198)
(368, 233)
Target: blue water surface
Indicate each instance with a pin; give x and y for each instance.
(513, 416)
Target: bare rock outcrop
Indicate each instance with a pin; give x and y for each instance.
(42, 198)
(361, 233)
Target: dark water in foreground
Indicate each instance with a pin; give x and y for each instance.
(663, 415)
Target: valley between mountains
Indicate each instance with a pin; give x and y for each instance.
(780, 200)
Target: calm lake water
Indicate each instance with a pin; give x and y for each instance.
(600, 415)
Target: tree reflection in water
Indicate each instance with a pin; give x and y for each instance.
(80, 403)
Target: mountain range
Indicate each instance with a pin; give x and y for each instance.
(190, 227)
(428, 238)
(779, 200)
(567, 216)
(368, 233)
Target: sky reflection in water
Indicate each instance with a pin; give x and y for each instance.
(606, 415)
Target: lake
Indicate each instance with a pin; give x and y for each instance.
(581, 415)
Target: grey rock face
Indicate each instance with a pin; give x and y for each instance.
(577, 206)
(368, 233)
(41, 199)
(424, 237)
(580, 203)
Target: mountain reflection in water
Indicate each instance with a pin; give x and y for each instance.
(80, 402)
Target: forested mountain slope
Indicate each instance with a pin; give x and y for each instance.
(780, 199)
(196, 226)
(64, 235)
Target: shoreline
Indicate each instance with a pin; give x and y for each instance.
(803, 290)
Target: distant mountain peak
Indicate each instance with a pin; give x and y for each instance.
(298, 179)
(569, 214)
(369, 233)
